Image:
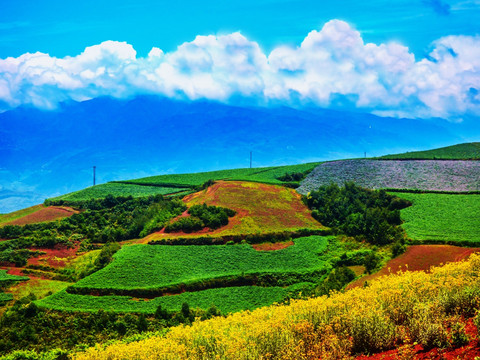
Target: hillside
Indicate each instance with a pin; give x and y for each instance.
(467, 151)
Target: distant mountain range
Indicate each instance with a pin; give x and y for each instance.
(48, 153)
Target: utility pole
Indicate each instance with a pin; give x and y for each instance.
(250, 159)
(94, 175)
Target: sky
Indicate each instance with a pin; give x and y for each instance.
(407, 58)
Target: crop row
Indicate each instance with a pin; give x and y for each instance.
(227, 300)
(145, 268)
(437, 175)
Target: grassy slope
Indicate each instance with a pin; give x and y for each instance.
(6, 218)
(465, 151)
(227, 300)
(152, 267)
(116, 189)
(267, 175)
(7, 277)
(442, 217)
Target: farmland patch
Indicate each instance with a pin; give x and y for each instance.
(420, 258)
(43, 214)
(432, 175)
(442, 218)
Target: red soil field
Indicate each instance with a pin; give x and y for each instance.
(417, 352)
(273, 246)
(260, 208)
(58, 257)
(420, 258)
(49, 213)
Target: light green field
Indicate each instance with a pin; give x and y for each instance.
(466, 151)
(442, 217)
(267, 175)
(152, 267)
(227, 300)
(116, 189)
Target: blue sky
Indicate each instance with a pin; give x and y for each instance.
(63, 28)
(442, 33)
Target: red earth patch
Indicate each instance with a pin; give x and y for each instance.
(273, 246)
(58, 257)
(49, 213)
(419, 258)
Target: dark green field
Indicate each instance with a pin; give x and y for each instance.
(442, 217)
(227, 300)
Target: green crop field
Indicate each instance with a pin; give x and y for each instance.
(466, 151)
(7, 277)
(231, 299)
(154, 267)
(267, 175)
(116, 189)
(442, 217)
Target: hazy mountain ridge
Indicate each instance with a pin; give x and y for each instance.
(47, 153)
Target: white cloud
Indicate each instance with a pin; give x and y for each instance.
(330, 64)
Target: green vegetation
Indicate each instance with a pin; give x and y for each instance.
(105, 220)
(202, 216)
(442, 218)
(116, 190)
(268, 175)
(4, 277)
(355, 211)
(5, 297)
(231, 299)
(467, 151)
(154, 269)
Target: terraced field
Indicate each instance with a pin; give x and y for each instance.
(43, 214)
(156, 270)
(434, 175)
(227, 300)
(452, 218)
(7, 218)
(268, 175)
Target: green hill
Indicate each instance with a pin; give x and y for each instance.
(467, 151)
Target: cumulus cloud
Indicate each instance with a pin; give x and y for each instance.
(330, 64)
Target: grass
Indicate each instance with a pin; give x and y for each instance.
(115, 189)
(5, 297)
(266, 175)
(227, 300)
(150, 267)
(38, 287)
(6, 218)
(261, 208)
(442, 217)
(465, 151)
